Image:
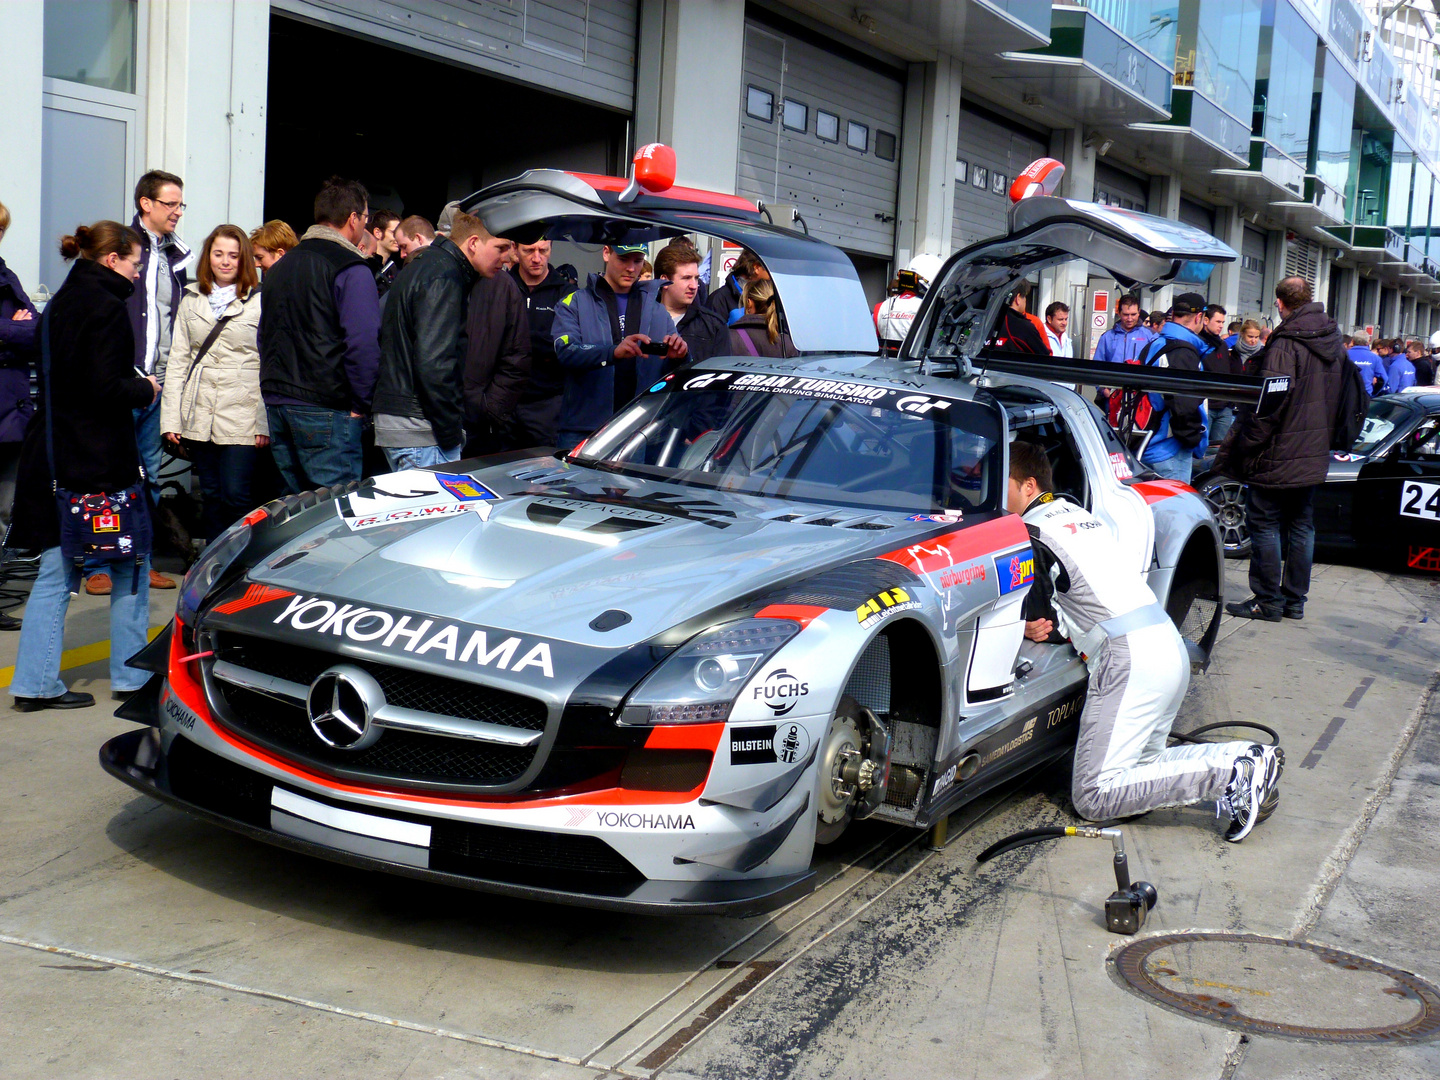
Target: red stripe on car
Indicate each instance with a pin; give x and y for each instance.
(1155, 490)
(801, 613)
(962, 545)
(679, 194)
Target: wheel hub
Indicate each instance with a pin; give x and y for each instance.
(841, 749)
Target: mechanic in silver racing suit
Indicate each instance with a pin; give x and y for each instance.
(1139, 669)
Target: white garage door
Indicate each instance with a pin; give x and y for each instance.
(988, 157)
(581, 48)
(822, 132)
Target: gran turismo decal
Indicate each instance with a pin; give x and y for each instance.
(416, 635)
(768, 744)
(1015, 570)
(781, 691)
(852, 392)
(884, 604)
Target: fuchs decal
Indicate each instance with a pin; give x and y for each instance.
(884, 604)
(781, 691)
(1015, 570)
(417, 635)
(769, 744)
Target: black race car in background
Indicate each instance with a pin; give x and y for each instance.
(1381, 499)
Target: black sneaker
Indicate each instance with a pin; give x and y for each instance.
(1294, 611)
(1252, 609)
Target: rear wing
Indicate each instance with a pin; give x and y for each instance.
(1266, 394)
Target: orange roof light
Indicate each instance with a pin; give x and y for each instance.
(1040, 177)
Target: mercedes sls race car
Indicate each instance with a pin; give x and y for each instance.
(768, 598)
(1382, 497)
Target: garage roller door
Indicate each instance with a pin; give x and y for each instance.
(822, 132)
(1252, 273)
(582, 48)
(988, 157)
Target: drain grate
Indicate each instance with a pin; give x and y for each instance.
(1275, 986)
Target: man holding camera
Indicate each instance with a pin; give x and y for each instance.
(613, 339)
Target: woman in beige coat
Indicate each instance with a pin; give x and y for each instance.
(212, 401)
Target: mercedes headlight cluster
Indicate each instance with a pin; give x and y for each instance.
(209, 568)
(699, 682)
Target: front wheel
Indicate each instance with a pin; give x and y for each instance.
(837, 794)
(1226, 498)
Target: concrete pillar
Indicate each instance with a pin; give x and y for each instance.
(1422, 320)
(22, 29)
(1347, 298)
(1069, 281)
(688, 82)
(1225, 289)
(1165, 202)
(1407, 315)
(1274, 272)
(1322, 275)
(1369, 302)
(206, 105)
(926, 208)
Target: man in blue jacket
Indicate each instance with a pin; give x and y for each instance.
(1371, 369)
(608, 339)
(1123, 342)
(1180, 424)
(1401, 372)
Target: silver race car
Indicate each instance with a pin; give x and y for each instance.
(768, 598)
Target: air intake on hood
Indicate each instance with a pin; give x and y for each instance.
(833, 520)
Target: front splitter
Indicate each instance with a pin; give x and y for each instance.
(136, 758)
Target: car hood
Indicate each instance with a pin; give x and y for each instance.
(562, 545)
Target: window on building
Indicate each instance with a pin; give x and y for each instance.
(962, 171)
(91, 42)
(827, 126)
(857, 136)
(884, 146)
(979, 177)
(760, 104)
(795, 115)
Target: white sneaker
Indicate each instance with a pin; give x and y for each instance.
(1244, 794)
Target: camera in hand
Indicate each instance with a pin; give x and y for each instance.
(654, 348)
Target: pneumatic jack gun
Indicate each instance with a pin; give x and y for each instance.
(1125, 908)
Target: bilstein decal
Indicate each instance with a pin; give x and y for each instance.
(768, 744)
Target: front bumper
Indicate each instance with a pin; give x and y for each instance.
(139, 759)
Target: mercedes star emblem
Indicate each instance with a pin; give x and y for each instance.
(342, 704)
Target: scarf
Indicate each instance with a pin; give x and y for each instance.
(220, 298)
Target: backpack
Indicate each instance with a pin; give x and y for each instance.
(1351, 407)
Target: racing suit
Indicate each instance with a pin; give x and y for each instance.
(893, 317)
(1139, 671)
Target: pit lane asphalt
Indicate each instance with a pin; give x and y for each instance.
(181, 949)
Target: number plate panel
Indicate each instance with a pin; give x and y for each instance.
(1420, 500)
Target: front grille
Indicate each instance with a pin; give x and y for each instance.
(405, 688)
(210, 782)
(571, 862)
(404, 756)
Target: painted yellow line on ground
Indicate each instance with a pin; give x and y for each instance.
(79, 656)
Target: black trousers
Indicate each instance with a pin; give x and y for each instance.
(1282, 544)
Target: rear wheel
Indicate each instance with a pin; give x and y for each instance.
(1227, 502)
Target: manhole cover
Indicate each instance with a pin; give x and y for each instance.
(1274, 986)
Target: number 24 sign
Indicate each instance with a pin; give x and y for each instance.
(1420, 500)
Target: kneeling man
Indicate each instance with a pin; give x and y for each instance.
(1139, 669)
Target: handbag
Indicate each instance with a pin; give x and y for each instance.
(101, 526)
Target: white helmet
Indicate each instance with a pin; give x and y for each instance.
(925, 267)
(1435, 341)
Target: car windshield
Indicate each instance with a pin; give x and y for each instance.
(814, 440)
(1384, 417)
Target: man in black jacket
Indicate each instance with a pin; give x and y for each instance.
(497, 366)
(319, 345)
(704, 331)
(541, 286)
(1286, 455)
(419, 398)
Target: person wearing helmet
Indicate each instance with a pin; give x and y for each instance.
(896, 312)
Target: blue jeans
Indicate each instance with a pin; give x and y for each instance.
(1282, 532)
(1221, 421)
(314, 446)
(37, 665)
(1174, 468)
(224, 473)
(418, 457)
(147, 441)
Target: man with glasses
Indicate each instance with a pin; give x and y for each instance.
(159, 206)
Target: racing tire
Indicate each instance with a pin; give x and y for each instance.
(1226, 498)
(835, 809)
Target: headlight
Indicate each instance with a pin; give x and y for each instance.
(698, 683)
(208, 569)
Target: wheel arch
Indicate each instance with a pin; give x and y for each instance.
(900, 661)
